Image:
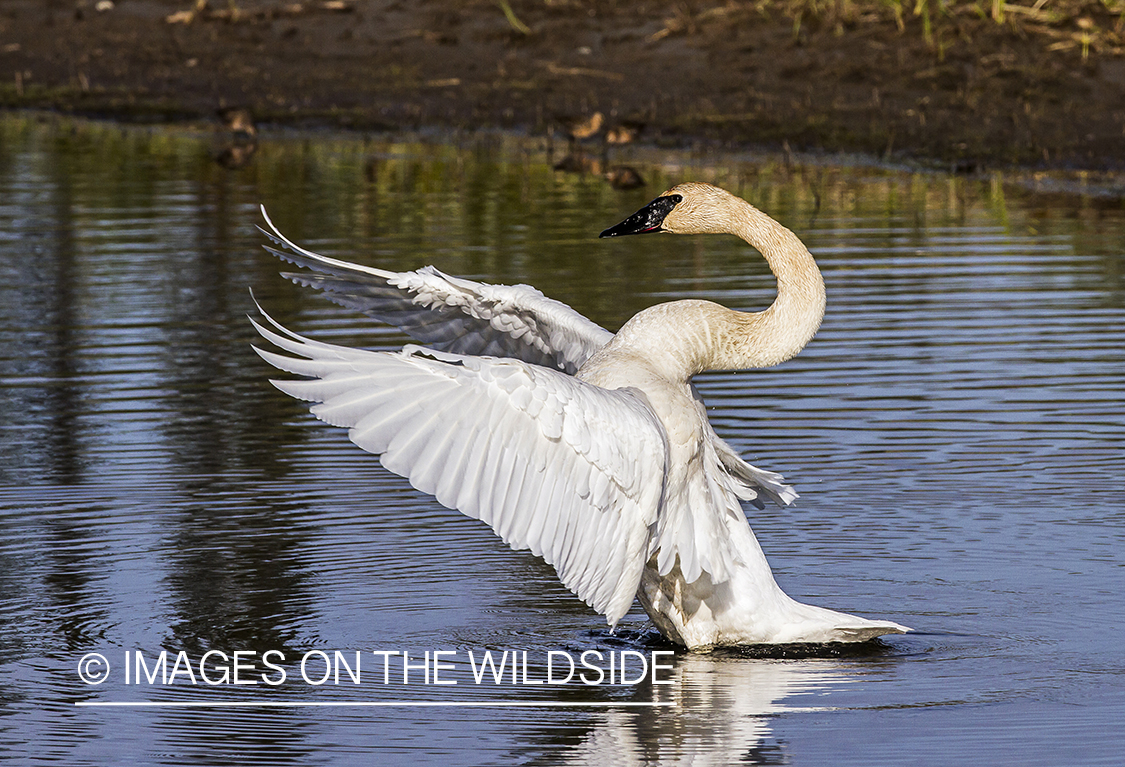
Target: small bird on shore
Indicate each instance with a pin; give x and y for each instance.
(624, 132)
(240, 123)
(582, 127)
(240, 141)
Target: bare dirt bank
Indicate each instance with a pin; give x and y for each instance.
(961, 89)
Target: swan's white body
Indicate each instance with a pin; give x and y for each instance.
(592, 450)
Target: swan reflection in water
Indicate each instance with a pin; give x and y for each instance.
(591, 449)
(720, 714)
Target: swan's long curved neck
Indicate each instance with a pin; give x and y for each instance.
(762, 339)
(708, 336)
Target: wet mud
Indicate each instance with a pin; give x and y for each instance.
(963, 91)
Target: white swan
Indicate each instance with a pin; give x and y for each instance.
(593, 450)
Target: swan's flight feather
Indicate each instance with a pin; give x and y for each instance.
(450, 313)
(568, 470)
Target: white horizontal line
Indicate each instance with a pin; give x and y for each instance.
(370, 703)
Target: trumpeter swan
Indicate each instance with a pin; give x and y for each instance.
(591, 449)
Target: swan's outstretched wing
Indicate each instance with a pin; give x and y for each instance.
(452, 314)
(573, 472)
(750, 481)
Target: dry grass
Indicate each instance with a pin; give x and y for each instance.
(1064, 25)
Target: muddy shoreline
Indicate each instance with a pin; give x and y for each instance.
(966, 95)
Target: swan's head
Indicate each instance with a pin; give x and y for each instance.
(689, 208)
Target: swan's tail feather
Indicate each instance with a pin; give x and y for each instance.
(809, 623)
(866, 632)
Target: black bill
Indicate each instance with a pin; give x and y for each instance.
(647, 219)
